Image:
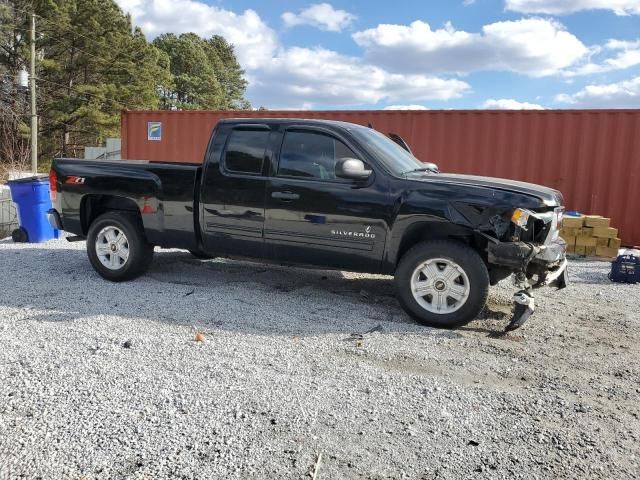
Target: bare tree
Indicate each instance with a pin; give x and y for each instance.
(15, 152)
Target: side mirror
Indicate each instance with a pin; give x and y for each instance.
(352, 168)
(431, 166)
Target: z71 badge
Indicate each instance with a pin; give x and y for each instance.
(72, 179)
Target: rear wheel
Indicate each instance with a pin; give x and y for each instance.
(442, 283)
(117, 247)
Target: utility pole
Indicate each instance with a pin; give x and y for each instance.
(34, 115)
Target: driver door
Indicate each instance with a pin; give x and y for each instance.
(313, 217)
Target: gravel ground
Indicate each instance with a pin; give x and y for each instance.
(103, 380)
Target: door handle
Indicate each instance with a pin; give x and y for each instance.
(285, 196)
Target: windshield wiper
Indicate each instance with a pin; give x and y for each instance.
(421, 169)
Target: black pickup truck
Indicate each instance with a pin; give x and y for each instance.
(322, 193)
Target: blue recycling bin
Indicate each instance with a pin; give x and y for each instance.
(31, 197)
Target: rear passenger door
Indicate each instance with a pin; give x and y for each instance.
(311, 216)
(233, 192)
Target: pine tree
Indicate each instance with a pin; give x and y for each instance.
(194, 82)
(92, 64)
(230, 74)
(205, 73)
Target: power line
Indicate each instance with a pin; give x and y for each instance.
(69, 30)
(57, 27)
(104, 99)
(73, 89)
(75, 47)
(10, 98)
(70, 127)
(59, 42)
(53, 25)
(13, 7)
(59, 39)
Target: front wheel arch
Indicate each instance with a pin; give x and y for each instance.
(424, 231)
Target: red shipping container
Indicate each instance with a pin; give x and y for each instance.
(592, 156)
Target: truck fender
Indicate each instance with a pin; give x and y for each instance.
(142, 197)
(409, 231)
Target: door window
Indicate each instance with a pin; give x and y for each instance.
(245, 151)
(311, 155)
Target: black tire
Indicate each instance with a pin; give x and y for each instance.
(467, 259)
(140, 252)
(201, 255)
(20, 235)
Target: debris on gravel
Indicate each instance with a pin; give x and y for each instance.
(103, 380)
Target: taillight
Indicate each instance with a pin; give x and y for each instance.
(53, 187)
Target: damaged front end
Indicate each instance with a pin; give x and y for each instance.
(532, 247)
(536, 254)
(535, 266)
(525, 243)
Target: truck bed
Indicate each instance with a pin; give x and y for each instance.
(164, 193)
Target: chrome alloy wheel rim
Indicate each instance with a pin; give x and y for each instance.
(112, 248)
(440, 285)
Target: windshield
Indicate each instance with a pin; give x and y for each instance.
(393, 156)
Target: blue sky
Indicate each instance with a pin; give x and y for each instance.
(437, 54)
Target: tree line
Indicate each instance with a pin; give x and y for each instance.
(92, 63)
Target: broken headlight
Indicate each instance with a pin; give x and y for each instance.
(558, 216)
(520, 217)
(556, 225)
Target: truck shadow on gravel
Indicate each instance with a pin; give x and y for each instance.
(220, 293)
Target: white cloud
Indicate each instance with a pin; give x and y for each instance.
(254, 41)
(312, 77)
(510, 104)
(561, 7)
(622, 44)
(627, 56)
(625, 94)
(532, 46)
(290, 77)
(405, 107)
(320, 15)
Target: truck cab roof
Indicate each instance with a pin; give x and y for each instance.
(285, 121)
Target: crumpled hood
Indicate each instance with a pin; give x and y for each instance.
(548, 196)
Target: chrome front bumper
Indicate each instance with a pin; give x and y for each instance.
(552, 253)
(558, 277)
(550, 265)
(542, 265)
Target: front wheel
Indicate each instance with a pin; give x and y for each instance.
(117, 247)
(442, 283)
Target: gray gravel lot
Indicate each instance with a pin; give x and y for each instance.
(278, 380)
